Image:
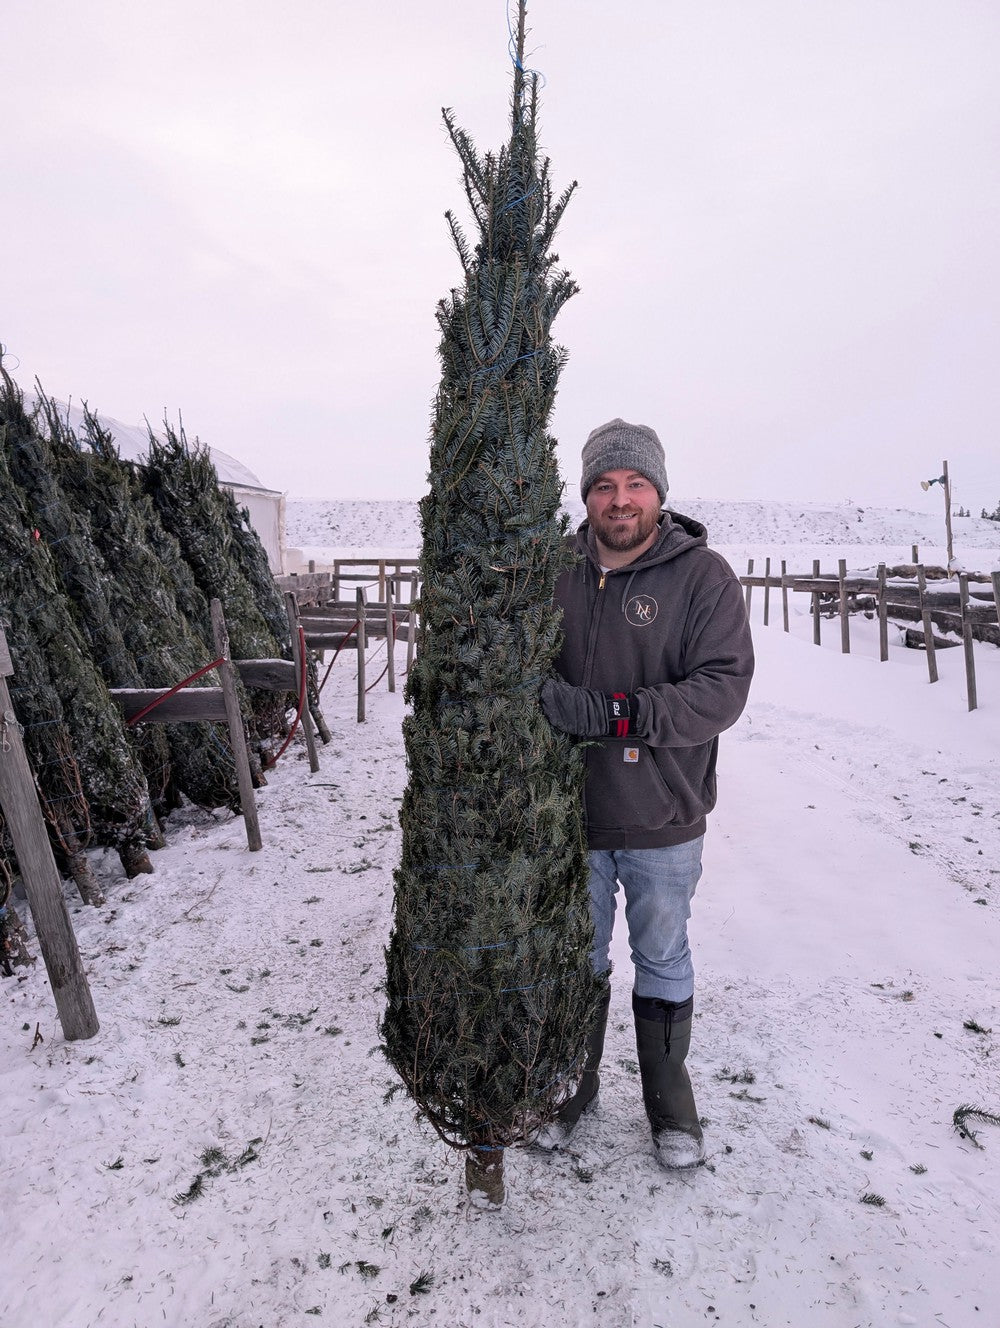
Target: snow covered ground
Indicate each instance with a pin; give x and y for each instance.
(221, 1154)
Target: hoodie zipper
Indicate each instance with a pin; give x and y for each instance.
(595, 620)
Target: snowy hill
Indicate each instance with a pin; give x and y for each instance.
(319, 526)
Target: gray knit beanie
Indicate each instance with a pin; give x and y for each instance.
(621, 446)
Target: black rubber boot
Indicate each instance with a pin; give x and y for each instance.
(556, 1133)
(662, 1039)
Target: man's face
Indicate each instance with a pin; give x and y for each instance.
(624, 509)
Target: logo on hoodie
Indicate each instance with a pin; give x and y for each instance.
(641, 610)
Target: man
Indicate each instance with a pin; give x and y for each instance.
(656, 661)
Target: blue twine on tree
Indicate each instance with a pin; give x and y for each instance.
(503, 991)
(507, 991)
(515, 59)
(494, 368)
(464, 949)
(523, 199)
(223, 747)
(118, 654)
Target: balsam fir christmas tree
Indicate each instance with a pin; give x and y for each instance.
(91, 785)
(150, 581)
(489, 981)
(181, 480)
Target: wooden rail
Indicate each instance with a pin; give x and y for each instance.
(212, 704)
(333, 624)
(970, 611)
(321, 587)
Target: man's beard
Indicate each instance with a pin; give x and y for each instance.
(623, 537)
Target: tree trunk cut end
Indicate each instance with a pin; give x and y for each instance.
(484, 1178)
(135, 861)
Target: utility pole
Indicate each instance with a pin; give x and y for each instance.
(945, 483)
(947, 514)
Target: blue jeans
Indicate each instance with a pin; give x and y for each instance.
(658, 884)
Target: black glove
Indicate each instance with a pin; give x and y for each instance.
(587, 713)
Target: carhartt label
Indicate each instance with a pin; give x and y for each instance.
(631, 755)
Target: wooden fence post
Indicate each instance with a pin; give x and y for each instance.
(237, 738)
(411, 626)
(292, 614)
(925, 618)
(883, 617)
(817, 635)
(970, 658)
(390, 635)
(845, 617)
(56, 940)
(362, 647)
(749, 588)
(767, 588)
(914, 553)
(784, 595)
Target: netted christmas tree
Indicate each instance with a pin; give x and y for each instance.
(489, 982)
(150, 579)
(91, 785)
(66, 528)
(181, 480)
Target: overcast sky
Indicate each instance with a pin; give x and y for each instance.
(786, 230)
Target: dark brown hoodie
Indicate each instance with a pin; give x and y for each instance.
(671, 628)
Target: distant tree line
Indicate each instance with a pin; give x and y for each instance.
(984, 515)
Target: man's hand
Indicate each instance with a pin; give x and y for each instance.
(587, 713)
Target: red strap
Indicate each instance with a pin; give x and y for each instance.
(173, 691)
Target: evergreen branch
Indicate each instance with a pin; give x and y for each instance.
(961, 1116)
(460, 242)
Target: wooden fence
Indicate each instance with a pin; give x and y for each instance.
(970, 611)
(333, 584)
(331, 618)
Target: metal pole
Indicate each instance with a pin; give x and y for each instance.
(947, 514)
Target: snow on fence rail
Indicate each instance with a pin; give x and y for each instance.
(909, 591)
